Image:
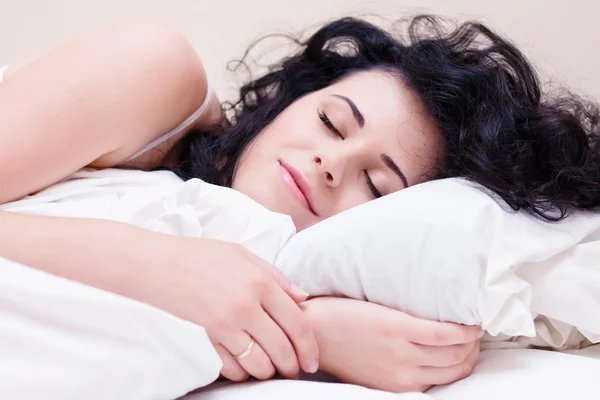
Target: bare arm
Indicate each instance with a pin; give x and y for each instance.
(95, 100)
(220, 286)
(103, 254)
(371, 345)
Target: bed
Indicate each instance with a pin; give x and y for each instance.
(509, 374)
(500, 375)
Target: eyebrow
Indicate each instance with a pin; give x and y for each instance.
(360, 119)
(394, 167)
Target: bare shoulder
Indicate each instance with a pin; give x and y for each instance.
(157, 62)
(157, 51)
(95, 100)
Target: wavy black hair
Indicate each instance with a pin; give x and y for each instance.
(540, 155)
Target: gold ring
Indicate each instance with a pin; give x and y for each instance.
(247, 351)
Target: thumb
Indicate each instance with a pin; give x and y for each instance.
(294, 291)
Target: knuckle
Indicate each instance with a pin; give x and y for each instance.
(240, 377)
(241, 309)
(218, 323)
(440, 336)
(264, 370)
(289, 367)
(458, 355)
(293, 371)
(405, 382)
(285, 353)
(271, 373)
(261, 282)
(281, 353)
(235, 374)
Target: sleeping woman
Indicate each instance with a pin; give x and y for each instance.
(355, 114)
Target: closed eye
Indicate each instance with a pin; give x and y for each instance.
(323, 117)
(376, 193)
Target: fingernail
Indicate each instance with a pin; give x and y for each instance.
(298, 291)
(313, 367)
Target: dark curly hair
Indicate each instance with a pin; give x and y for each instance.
(538, 154)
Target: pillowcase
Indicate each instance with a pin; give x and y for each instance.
(449, 250)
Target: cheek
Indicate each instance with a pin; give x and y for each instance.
(259, 150)
(294, 130)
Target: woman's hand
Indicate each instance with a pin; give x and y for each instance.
(238, 297)
(221, 286)
(377, 347)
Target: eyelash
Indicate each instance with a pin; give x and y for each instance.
(372, 188)
(323, 117)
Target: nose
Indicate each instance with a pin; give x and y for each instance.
(331, 168)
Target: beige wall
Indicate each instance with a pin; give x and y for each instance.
(562, 37)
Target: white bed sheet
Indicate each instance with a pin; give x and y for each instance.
(521, 374)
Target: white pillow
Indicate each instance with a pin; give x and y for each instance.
(447, 250)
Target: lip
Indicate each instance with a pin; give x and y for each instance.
(298, 186)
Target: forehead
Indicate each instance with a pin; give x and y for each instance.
(394, 114)
(384, 97)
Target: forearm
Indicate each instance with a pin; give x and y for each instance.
(103, 254)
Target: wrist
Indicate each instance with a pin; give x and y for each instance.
(163, 272)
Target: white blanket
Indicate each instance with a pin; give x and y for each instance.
(75, 341)
(161, 202)
(63, 340)
(500, 375)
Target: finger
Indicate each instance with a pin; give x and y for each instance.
(295, 324)
(231, 370)
(443, 356)
(295, 292)
(432, 333)
(256, 362)
(445, 375)
(276, 344)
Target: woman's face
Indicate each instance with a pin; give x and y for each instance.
(365, 136)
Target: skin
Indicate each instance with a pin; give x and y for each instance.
(340, 162)
(146, 79)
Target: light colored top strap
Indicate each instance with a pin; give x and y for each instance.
(185, 124)
(3, 70)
